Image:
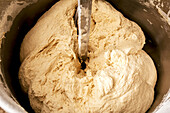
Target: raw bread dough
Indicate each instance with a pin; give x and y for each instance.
(119, 77)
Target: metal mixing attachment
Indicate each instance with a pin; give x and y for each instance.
(84, 18)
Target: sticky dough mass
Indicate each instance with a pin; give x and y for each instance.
(119, 76)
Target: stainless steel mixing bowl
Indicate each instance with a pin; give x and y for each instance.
(149, 14)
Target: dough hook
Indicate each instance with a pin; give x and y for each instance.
(84, 17)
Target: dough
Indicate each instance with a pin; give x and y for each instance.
(119, 76)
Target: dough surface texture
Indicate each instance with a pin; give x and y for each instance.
(119, 76)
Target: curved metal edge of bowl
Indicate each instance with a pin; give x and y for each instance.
(163, 8)
(13, 7)
(7, 102)
(164, 106)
